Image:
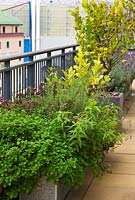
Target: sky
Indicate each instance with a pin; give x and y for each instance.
(43, 1)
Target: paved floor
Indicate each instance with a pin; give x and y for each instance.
(120, 184)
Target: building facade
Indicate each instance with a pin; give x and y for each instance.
(11, 35)
(11, 39)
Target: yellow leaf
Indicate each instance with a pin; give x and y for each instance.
(106, 78)
(104, 70)
(85, 3)
(124, 61)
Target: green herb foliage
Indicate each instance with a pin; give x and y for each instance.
(60, 148)
(120, 79)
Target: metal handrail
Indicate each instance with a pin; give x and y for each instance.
(17, 78)
(34, 53)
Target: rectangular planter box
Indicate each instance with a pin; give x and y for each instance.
(128, 94)
(115, 98)
(46, 191)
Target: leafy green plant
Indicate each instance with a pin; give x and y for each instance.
(105, 31)
(20, 160)
(120, 79)
(57, 132)
(60, 148)
(67, 94)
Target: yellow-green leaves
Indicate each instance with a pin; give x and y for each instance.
(52, 77)
(80, 70)
(69, 76)
(106, 79)
(85, 3)
(82, 65)
(78, 19)
(97, 77)
(104, 29)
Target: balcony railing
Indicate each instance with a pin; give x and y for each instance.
(17, 78)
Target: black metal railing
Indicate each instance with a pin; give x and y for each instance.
(15, 79)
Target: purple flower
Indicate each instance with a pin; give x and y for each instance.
(2, 100)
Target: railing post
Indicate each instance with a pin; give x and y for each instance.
(7, 82)
(74, 54)
(49, 61)
(63, 60)
(31, 73)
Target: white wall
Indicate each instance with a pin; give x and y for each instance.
(56, 41)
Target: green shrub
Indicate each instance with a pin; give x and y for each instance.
(58, 95)
(33, 145)
(57, 133)
(20, 146)
(120, 79)
(105, 31)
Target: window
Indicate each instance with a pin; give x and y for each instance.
(20, 43)
(16, 29)
(7, 44)
(4, 29)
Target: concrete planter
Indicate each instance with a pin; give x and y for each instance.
(46, 191)
(115, 98)
(127, 95)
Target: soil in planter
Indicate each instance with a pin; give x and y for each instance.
(111, 97)
(111, 94)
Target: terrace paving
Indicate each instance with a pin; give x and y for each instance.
(120, 184)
